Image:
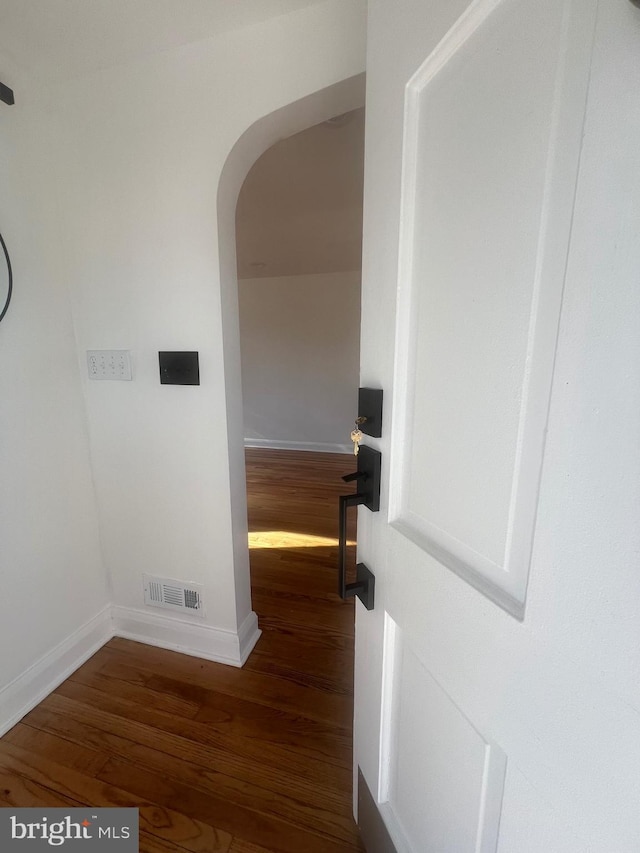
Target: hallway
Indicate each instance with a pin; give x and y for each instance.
(256, 760)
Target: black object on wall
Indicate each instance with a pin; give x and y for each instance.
(179, 368)
(6, 279)
(6, 94)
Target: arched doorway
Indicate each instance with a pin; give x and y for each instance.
(340, 98)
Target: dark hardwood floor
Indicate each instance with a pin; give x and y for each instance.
(256, 760)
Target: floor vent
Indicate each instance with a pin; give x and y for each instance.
(173, 595)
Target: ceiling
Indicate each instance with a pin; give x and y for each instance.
(67, 38)
(300, 208)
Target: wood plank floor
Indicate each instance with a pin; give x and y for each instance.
(256, 760)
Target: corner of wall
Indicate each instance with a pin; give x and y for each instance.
(188, 638)
(33, 685)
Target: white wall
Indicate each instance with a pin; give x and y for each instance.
(108, 203)
(300, 340)
(558, 692)
(147, 145)
(51, 570)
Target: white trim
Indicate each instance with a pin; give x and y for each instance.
(395, 829)
(505, 584)
(455, 38)
(248, 635)
(389, 678)
(33, 685)
(495, 759)
(490, 811)
(494, 765)
(316, 446)
(188, 638)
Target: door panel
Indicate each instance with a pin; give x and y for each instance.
(492, 132)
(474, 136)
(443, 780)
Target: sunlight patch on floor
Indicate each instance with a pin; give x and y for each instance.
(286, 539)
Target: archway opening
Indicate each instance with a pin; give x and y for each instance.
(337, 100)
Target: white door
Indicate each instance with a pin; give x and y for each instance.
(497, 688)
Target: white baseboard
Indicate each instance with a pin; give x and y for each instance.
(316, 446)
(248, 635)
(188, 638)
(33, 685)
(29, 689)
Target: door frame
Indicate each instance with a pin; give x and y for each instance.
(341, 97)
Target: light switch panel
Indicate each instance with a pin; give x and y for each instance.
(109, 364)
(179, 368)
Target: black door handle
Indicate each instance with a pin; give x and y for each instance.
(364, 586)
(357, 475)
(368, 476)
(345, 501)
